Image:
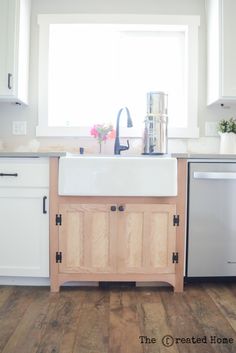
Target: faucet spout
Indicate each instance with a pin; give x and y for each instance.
(118, 147)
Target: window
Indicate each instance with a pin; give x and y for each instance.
(92, 65)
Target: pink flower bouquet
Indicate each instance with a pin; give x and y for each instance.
(102, 132)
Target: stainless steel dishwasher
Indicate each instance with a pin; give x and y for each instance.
(211, 229)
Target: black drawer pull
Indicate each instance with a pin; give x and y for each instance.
(9, 174)
(9, 81)
(44, 204)
(113, 208)
(121, 208)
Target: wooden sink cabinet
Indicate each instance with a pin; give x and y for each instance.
(117, 238)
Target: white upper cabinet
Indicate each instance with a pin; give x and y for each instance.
(14, 50)
(221, 51)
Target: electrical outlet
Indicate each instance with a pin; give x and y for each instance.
(211, 129)
(19, 127)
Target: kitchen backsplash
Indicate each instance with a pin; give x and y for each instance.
(200, 145)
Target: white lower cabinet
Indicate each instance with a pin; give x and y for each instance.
(24, 219)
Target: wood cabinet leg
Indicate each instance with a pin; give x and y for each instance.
(55, 288)
(179, 286)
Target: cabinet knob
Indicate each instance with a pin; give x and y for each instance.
(121, 208)
(113, 208)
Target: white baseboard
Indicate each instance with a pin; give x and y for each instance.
(38, 281)
(24, 281)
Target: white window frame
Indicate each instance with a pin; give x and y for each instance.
(191, 24)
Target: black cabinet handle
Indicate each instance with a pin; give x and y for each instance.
(121, 208)
(9, 81)
(113, 208)
(44, 204)
(9, 174)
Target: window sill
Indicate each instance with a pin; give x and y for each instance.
(175, 133)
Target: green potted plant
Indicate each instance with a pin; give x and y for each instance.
(227, 132)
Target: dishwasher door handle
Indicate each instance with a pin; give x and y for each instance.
(214, 175)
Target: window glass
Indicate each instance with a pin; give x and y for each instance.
(94, 70)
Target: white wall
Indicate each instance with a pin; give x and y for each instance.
(9, 113)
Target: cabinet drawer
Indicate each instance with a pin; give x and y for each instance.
(24, 172)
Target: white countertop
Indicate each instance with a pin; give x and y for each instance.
(60, 154)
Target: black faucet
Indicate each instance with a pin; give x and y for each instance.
(118, 147)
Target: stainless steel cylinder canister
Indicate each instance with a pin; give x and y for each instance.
(156, 122)
(157, 103)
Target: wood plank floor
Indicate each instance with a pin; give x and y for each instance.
(95, 320)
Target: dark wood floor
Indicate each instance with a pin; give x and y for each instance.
(93, 320)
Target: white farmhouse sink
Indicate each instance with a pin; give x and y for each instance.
(117, 176)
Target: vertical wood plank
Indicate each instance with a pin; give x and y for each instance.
(27, 335)
(181, 211)
(212, 321)
(71, 238)
(159, 239)
(53, 229)
(225, 300)
(60, 331)
(133, 234)
(183, 322)
(87, 238)
(100, 234)
(93, 324)
(154, 324)
(124, 326)
(12, 311)
(5, 292)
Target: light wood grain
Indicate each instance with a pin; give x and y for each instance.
(95, 320)
(134, 245)
(124, 325)
(154, 323)
(85, 238)
(100, 238)
(4, 294)
(181, 229)
(53, 229)
(183, 322)
(225, 300)
(168, 278)
(32, 325)
(213, 322)
(85, 320)
(12, 311)
(147, 238)
(130, 237)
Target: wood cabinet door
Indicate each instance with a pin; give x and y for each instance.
(146, 238)
(87, 238)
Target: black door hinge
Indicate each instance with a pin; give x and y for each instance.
(175, 257)
(58, 257)
(176, 220)
(58, 219)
